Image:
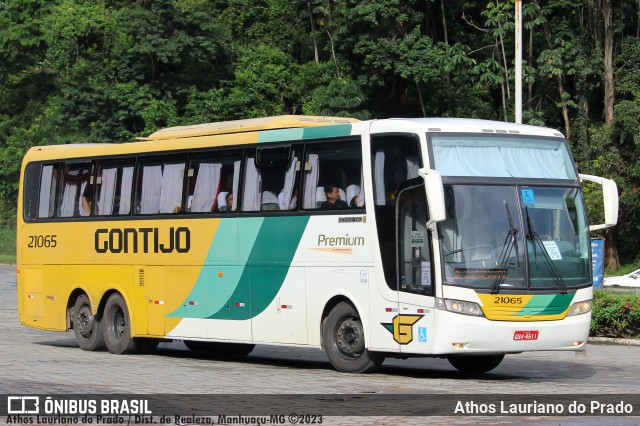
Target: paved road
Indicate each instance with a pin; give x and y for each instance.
(33, 361)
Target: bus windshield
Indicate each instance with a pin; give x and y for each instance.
(515, 236)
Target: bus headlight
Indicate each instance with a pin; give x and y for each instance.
(579, 308)
(459, 307)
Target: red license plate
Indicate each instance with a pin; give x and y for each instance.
(525, 335)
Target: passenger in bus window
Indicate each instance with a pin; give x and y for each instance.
(228, 200)
(333, 199)
(354, 201)
(87, 198)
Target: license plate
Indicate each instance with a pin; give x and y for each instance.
(525, 335)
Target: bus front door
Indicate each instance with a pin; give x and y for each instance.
(415, 273)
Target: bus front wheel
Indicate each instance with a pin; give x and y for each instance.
(343, 336)
(475, 363)
(86, 326)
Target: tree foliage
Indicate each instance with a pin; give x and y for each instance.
(111, 70)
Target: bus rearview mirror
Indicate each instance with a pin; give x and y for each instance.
(610, 198)
(435, 194)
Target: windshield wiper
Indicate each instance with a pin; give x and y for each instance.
(535, 238)
(510, 242)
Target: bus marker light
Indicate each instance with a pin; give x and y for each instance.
(577, 343)
(159, 302)
(192, 303)
(421, 311)
(29, 296)
(220, 274)
(239, 304)
(391, 310)
(458, 345)
(286, 306)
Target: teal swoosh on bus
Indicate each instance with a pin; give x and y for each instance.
(546, 304)
(267, 247)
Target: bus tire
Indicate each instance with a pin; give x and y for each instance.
(117, 326)
(86, 326)
(220, 349)
(343, 336)
(475, 363)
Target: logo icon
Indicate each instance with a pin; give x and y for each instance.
(23, 405)
(402, 328)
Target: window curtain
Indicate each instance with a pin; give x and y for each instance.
(45, 191)
(125, 190)
(251, 195)
(151, 188)
(68, 199)
(311, 181)
(535, 162)
(287, 202)
(171, 193)
(236, 183)
(207, 187)
(500, 162)
(107, 191)
(379, 178)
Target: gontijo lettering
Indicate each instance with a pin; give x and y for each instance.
(323, 240)
(143, 240)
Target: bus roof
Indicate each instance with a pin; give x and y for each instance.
(281, 128)
(248, 125)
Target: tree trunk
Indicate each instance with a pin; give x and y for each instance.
(607, 12)
(613, 261)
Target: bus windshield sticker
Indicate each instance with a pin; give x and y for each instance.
(552, 250)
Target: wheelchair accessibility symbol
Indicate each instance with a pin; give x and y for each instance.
(422, 334)
(527, 196)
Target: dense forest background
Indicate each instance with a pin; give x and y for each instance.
(98, 71)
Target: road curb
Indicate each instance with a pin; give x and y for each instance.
(613, 341)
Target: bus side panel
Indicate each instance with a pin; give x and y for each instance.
(32, 297)
(285, 319)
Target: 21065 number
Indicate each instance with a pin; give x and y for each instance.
(507, 300)
(38, 241)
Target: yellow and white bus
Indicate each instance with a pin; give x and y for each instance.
(456, 238)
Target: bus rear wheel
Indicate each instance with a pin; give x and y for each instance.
(86, 326)
(343, 336)
(475, 363)
(220, 349)
(117, 326)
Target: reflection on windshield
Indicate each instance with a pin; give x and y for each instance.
(485, 243)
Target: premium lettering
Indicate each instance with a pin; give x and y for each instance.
(143, 240)
(323, 240)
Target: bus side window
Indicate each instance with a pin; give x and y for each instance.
(159, 187)
(271, 179)
(30, 193)
(113, 189)
(77, 190)
(209, 175)
(331, 166)
(48, 190)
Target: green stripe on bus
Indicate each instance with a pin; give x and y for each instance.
(327, 131)
(269, 262)
(280, 135)
(211, 291)
(546, 304)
